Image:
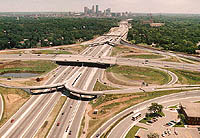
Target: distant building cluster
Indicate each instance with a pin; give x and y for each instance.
(95, 12)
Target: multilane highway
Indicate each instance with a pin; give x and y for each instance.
(32, 115)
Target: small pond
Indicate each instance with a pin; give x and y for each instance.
(19, 75)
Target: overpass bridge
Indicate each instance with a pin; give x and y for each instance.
(67, 85)
(85, 60)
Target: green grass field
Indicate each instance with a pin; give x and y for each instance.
(144, 56)
(133, 131)
(148, 75)
(51, 52)
(101, 87)
(28, 66)
(187, 77)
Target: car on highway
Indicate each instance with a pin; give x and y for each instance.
(70, 132)
(58, 124)
(12, 120)
(137, 137)
(63, 113)
(67, 129)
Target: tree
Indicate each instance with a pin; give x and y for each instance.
(182, 117)
(155, 108)
(153, 135)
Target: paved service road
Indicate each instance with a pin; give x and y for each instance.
(144, 105)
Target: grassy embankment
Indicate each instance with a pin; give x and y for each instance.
(148, 56)
(13, 99)
(138, 75)
(132, 132)
(27, 66)
(187, 77)
(101, 87)
(110, 105)
(50, 52)
(171, 59)
(121, 50)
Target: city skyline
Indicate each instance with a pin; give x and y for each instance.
(137, 6)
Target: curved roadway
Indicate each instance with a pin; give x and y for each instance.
(142, 106)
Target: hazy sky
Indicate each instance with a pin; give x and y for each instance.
(148, 6)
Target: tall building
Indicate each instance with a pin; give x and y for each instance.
(97, 9)
(108, 11)
(86, 10)
(93, 10)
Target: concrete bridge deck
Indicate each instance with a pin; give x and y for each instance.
(85, 59)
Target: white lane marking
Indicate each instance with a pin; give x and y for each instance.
(28, 100)
(84, 52)
(2, 106)
(38, 114)
(30, 107)
(100, 50)
(173, 94)
(106, 53)
(141, 109)
(66, 102)
(73, 114)
(89, 79)
(20, 118)
(79, 102)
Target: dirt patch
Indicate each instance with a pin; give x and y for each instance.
(73, 49)
(12, 104)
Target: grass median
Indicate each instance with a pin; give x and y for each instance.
(43, 131)
(132, 132)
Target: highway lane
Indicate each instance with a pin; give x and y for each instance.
(144, 105)
(32, 100)
(40, 119)
(122, 128)
(28, 109)
(161, 64)
(22, 116)
(83, 83)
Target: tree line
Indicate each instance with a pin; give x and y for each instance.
(178, 34)
(27, 32)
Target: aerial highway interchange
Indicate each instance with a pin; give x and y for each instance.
(79, 81)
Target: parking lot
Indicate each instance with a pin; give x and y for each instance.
(167, 131)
